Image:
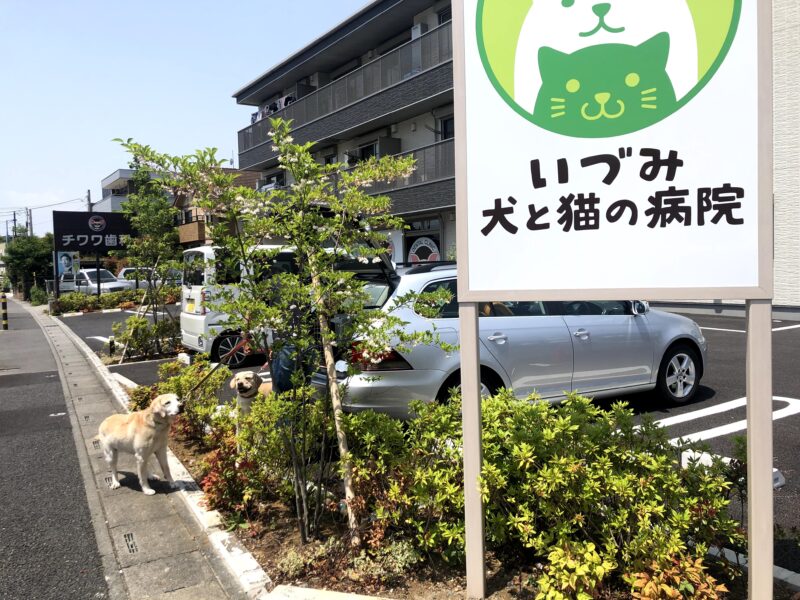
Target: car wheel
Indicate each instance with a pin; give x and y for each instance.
(224, 345)
(488, 387)
(679, 374)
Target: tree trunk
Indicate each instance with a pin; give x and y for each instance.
(341, 437)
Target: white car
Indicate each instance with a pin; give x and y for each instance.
(86, 281)
(600, 348)
(202, 328)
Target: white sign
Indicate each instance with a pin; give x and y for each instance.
(612, 153)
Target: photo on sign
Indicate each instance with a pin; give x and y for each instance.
(601, 69)
(68, 263)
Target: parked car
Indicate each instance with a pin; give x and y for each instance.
(600, 348)
(85, 281)
(130, 274)
(174, 276)
(203, 329)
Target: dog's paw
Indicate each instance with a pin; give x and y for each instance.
(149, 492)
(154, 477)
(114, 485)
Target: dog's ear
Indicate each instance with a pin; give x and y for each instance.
(233, 382)
(257, 381)
(158, 406)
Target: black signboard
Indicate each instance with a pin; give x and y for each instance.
(90, 232)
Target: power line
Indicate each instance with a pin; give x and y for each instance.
(12, 211)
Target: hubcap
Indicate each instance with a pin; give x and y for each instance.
(681, 375)
(227, 344)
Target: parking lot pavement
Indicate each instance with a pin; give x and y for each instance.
(723, 382)
(95, 328)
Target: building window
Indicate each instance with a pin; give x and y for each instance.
(445, 15)
(447, 128)
(423, 240)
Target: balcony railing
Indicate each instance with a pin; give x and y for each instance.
(396, 66)
(433, 163)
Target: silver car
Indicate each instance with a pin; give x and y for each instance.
(85, 281)
(600, 348)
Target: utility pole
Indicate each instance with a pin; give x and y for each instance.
(89, 200)
(30, 220)
(14, 231)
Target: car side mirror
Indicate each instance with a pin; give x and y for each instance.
(640, 307)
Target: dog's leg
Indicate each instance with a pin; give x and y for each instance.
(161, 455)
(151, 473)
(141, 468)
(111, 454)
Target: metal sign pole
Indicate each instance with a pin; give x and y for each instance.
(759, 449)
(473, 455)
(97, 272)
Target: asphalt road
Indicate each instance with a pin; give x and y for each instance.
(723, 383)
(47, 541)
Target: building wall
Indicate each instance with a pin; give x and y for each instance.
(786, 69)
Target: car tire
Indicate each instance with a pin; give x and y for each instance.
(224, 344)
(679, 374)
(488, 386)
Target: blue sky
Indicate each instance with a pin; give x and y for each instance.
(75, 74)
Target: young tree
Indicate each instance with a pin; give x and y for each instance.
(314, 310)
(154, 250)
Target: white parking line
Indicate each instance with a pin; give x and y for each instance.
(793, 408)
(744, 331)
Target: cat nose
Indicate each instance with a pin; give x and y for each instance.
(602, 98)
(601, 10)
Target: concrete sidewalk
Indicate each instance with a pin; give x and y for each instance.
(151, 546)
(165, 546)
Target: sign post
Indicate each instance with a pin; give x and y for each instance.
(624, 153)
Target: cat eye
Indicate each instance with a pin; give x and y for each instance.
(567, 3)
(632, 79)
(573, 85)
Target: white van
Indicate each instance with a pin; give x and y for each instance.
(203, 329)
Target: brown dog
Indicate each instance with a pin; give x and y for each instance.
(247, 384)
(141, 433)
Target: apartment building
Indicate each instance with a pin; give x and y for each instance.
(191, 221)
(381, 82)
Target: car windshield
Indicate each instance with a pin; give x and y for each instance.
(377, 293)
(105, 276)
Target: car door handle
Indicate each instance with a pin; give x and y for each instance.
(581, 333)
(498, 337)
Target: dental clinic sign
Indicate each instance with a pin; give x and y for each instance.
(617, 149)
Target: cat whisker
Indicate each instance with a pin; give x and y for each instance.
(650, 91)
(649, 98)
(650, 106)
(558, 114)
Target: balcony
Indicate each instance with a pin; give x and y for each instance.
(191, 224)
(418, 70)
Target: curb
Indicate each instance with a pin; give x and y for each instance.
(253, 580)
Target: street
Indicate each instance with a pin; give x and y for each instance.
(46, 536)
(713, 416)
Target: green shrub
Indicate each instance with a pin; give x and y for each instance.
(199, 406)
(145, 338)
(601, 498)
(140, 397)
(38, 296)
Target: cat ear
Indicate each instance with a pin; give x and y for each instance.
(657, 48)
(549, 59)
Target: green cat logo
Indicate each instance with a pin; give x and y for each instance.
(590, 69)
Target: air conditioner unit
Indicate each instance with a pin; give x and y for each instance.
(419, 30)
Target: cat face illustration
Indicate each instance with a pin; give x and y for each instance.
(570, 25)
(605, 90)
